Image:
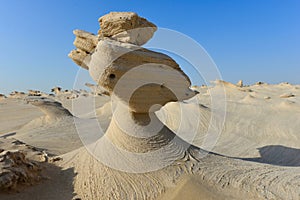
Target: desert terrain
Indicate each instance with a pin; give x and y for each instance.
(261, 142)
(142, 131)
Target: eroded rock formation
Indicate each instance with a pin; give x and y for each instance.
(240, 83)
(20, 164)
(16, 169)
(34, 93)
(17, 95)
(110, 59)
(137, 147)
(53, 110)
(56, 90)
(2, 96)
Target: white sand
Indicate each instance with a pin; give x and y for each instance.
(261, 126)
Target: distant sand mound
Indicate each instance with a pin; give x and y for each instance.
(17, 95)
(287, 95)
(232, 87)
(53, 110)
(225, 83)
(51, 130)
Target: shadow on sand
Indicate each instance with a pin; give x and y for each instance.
(278, 155)
(57, 184)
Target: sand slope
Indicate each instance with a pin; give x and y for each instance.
(260, 144)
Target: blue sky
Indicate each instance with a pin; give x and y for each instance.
(253, 40)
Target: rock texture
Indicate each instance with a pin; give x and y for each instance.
(17, 95)
(16, 169)
(56, 90)
(20, 164)
(126, 27)
(157, 77)
(34, 93)
(85, 40)
(154, 74)
(85, 43)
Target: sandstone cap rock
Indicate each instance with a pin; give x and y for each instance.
(126, 27)
(85, 43)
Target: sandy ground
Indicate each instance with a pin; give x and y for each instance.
(259, 144)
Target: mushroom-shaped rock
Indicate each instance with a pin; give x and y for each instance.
(56, 90)
(140, 81)
(124, 69)
(137, 147)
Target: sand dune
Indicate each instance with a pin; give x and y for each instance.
(50, 131)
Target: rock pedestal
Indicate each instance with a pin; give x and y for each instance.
(140, 82)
